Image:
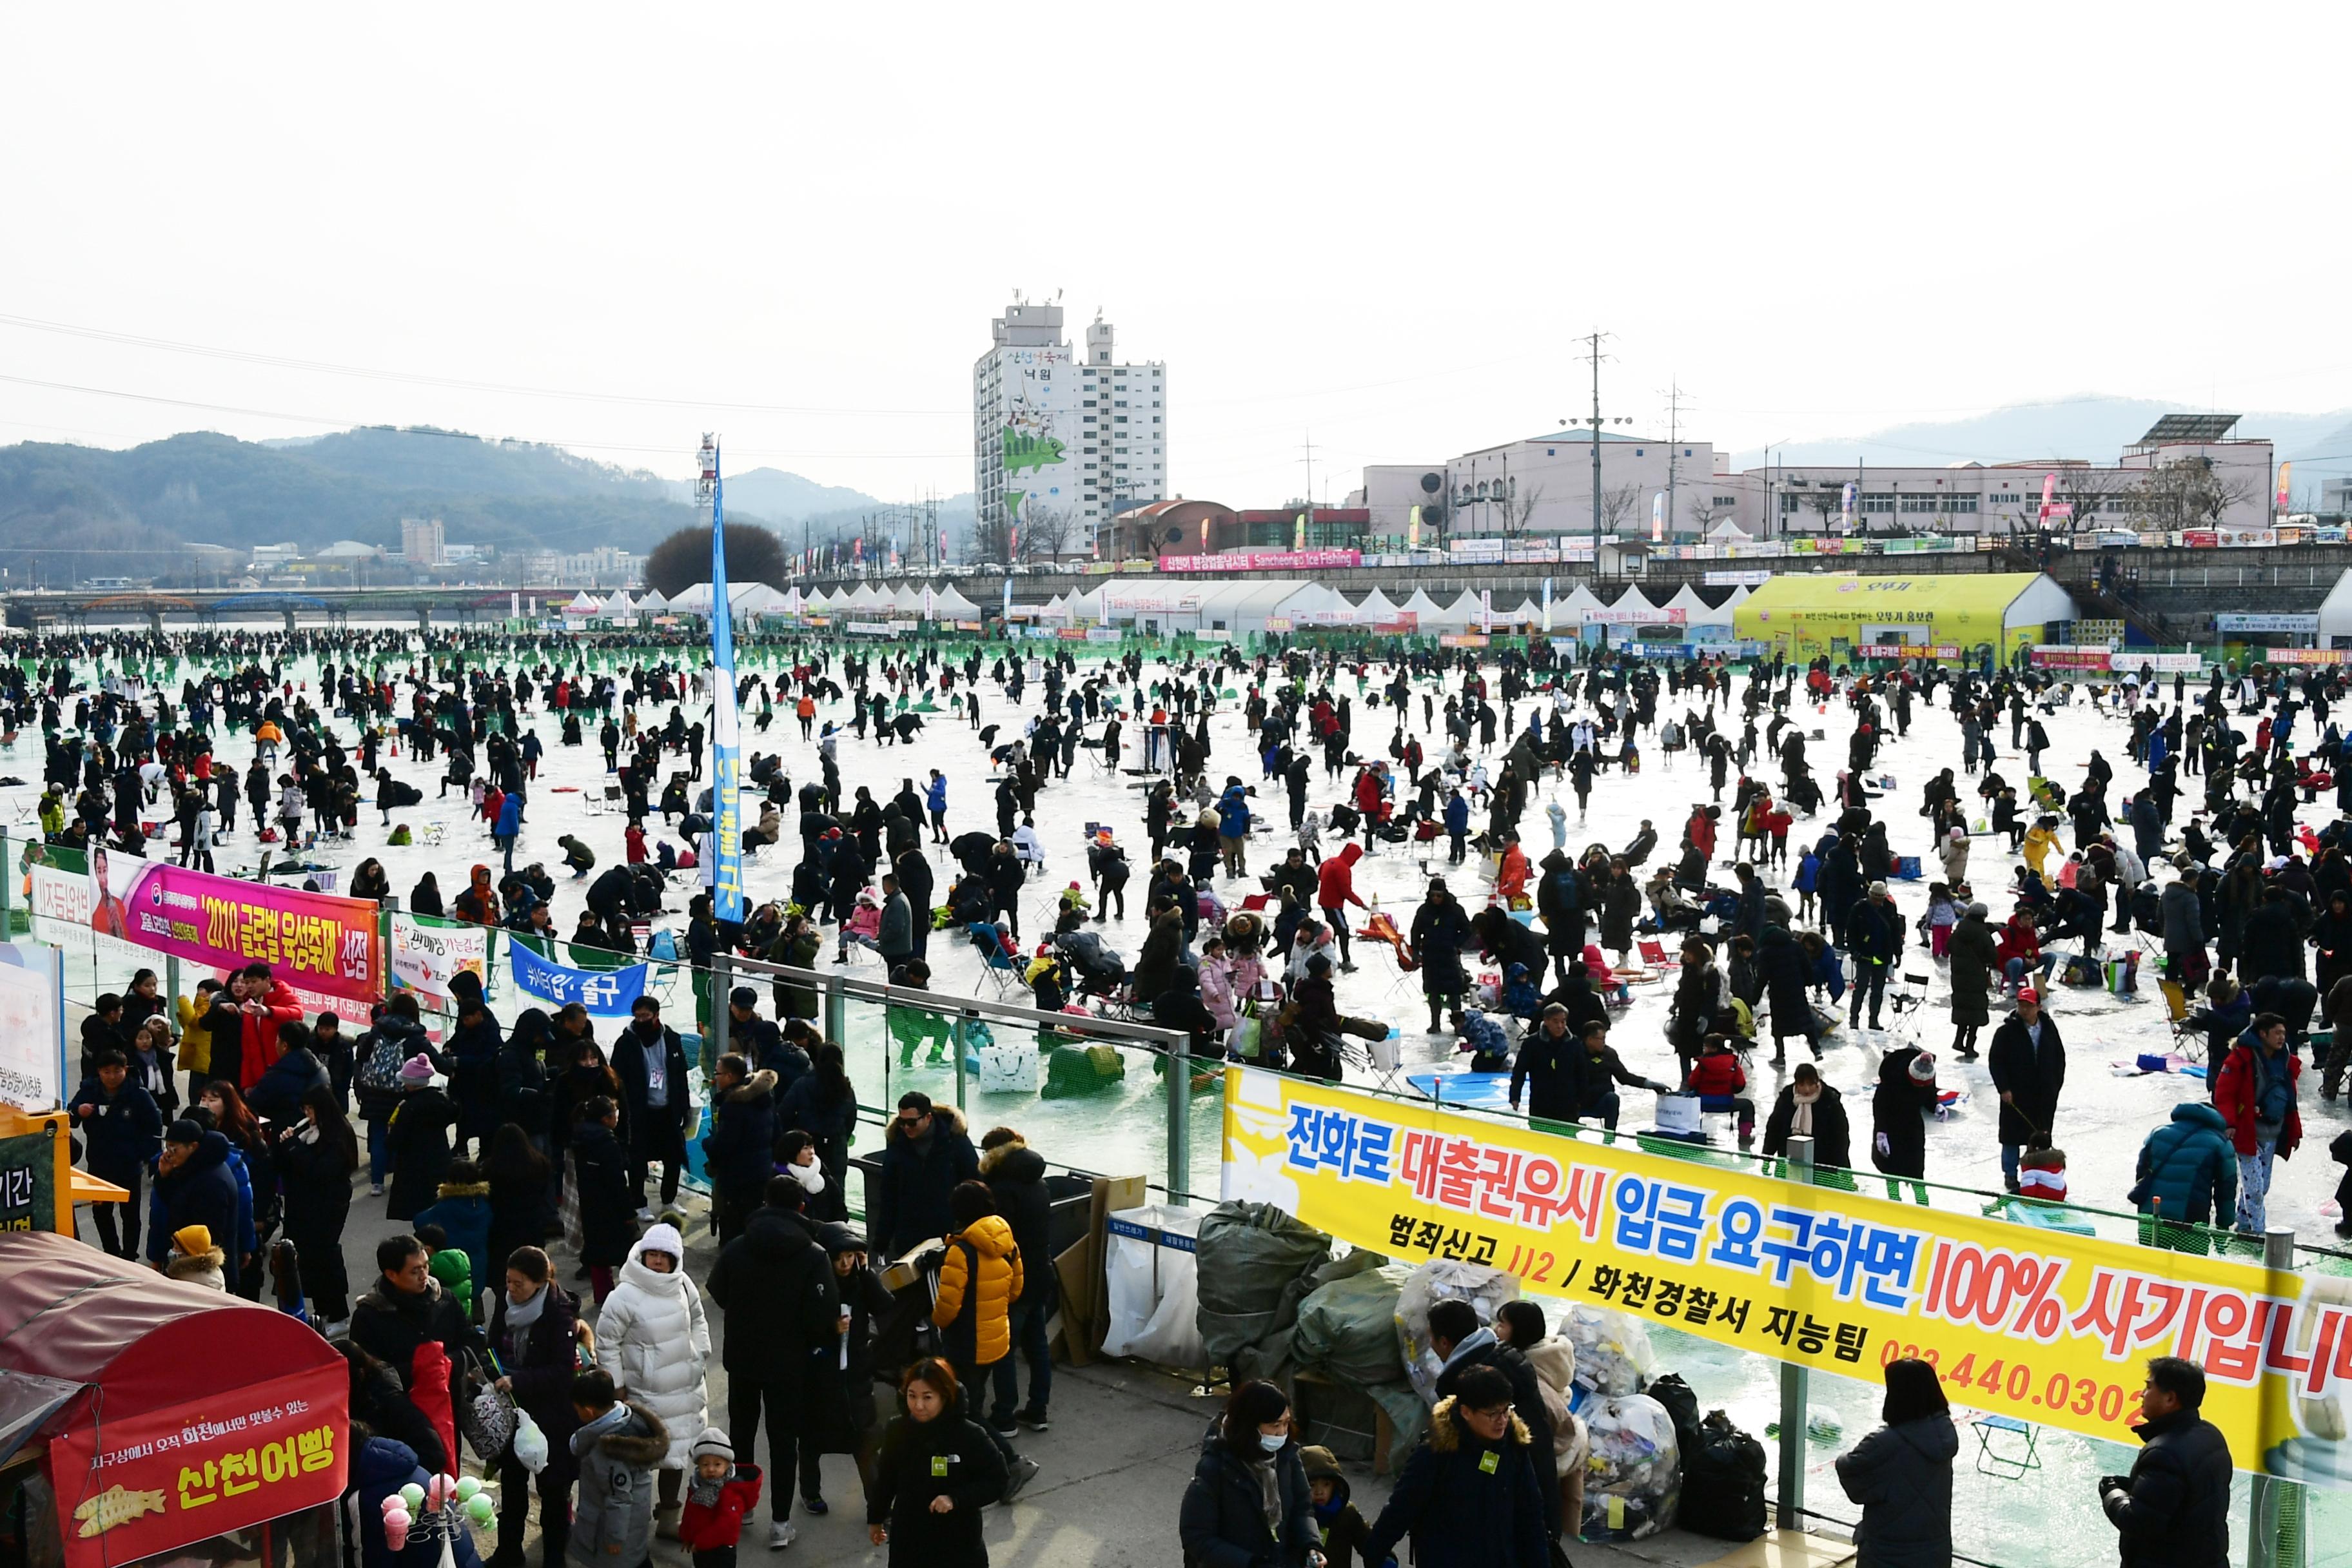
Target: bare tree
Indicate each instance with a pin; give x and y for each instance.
(1827, 499)
(1617, 505)
(1704, 511)
(2191, 493)
(1520, 509)
(2085, 490)
(1046, 532)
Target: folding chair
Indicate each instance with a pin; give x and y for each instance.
(2008, 1461)
(1003, 973)
(1655, 956)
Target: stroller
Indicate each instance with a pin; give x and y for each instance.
(1098, 970)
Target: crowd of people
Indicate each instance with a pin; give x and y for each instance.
(229, 1113)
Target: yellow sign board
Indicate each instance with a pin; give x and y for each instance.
(2048, 1327)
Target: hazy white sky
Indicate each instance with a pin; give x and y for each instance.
(1385, 224)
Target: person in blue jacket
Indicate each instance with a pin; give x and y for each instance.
(2188, 1174)
(510, 825)
(1458, 827)
(935, 801)
(122, 1129)
(1233, 827)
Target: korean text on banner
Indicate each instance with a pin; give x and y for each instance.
(605, 993)
(427, 956)
(725, 740)
(148, 1484)
(314, 940)
(2046, 1327)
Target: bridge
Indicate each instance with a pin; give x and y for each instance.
(35, 610)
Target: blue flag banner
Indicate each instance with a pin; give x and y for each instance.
(726, 749)
(605, 993)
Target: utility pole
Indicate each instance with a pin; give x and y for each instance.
(1673, 434)
(1594, 355)
(1308, 446)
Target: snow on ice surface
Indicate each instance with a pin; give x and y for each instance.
(2102, 1118)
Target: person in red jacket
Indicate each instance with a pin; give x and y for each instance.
(1335, 890)
(2256, 1093)
(1373, 798)
(1717, 1078)
(1701, 829)
(718, 1498)
(269, 1002)
(1511, 880)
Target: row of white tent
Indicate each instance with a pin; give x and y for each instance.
(760, 599)
(1306, 605)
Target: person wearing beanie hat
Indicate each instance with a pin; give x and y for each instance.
(416, 1141)
(1345, 1530)
(1899, 1109)
(1873, 941)
(719, 1497)
(653, 1337)
(2041, 1173)
(194, 1259)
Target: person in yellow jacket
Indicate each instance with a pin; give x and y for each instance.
(979, 1280)
(195, 1052)
(2039, 841)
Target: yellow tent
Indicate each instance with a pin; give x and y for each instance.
(1805, 613)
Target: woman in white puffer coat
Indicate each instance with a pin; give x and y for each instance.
(652, 1336)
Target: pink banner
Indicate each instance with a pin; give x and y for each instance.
(313, 942)
(1264, 561)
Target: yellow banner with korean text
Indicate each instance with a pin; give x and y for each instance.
(2048, 1327)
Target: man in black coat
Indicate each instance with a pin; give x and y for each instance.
(1547, 1063)
(2028, 1063)
(1873, 941)
(193, 1185)
(1461, 1344)
(775, 1285)
(2173, 1509)
(650, 1061)
(926, 1152)
(1015, 1173)
(406, 1309)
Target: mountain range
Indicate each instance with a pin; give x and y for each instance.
(69, 512)
(2092, 426)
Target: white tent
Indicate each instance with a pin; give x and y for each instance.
(2335, 614)
(1696, 611)
(952, 606)
(653, 602)
(1086, 606)
(694, 601)
(907, 600)
(755, 599)
(866, 596)
(616, 608)
(1728, 532)
(1421, 606)
(1376, 607)
(1576, 607)
(583, 603)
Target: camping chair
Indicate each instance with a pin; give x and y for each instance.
(1655, 956)
(1998, 1453)
(1003, 971)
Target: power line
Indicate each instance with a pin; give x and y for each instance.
(245, 356)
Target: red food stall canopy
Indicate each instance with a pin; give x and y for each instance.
(200, 1412)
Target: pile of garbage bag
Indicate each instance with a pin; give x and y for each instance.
(1485, 1289)
(1254, 1263)
(1633, 1474)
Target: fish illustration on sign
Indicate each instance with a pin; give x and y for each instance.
(1023, 452)
(115, 1505)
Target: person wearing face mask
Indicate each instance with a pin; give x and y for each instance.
(1249, 1501)
(532, 1332)
(650, 1060)
(1469, 1497)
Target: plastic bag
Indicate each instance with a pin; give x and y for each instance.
(1613, 1357)
(1252, 1256)
(1632, 1478)
(1153, 1288)
(529, 1442)
(1485, 1289)
(1346, 1328)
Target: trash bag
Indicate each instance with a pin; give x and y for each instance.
(1612, 1351)
(1723, 1481)
(1633, 1477)
(1346, 1328)
(1073, 1071)
(1251, 1256)
(1440, 1279)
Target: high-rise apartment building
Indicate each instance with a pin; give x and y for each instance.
(1062, 441)
(421, 543)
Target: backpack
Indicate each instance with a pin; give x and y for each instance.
(381, 1071)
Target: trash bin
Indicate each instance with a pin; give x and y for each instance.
(1153, 1285)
